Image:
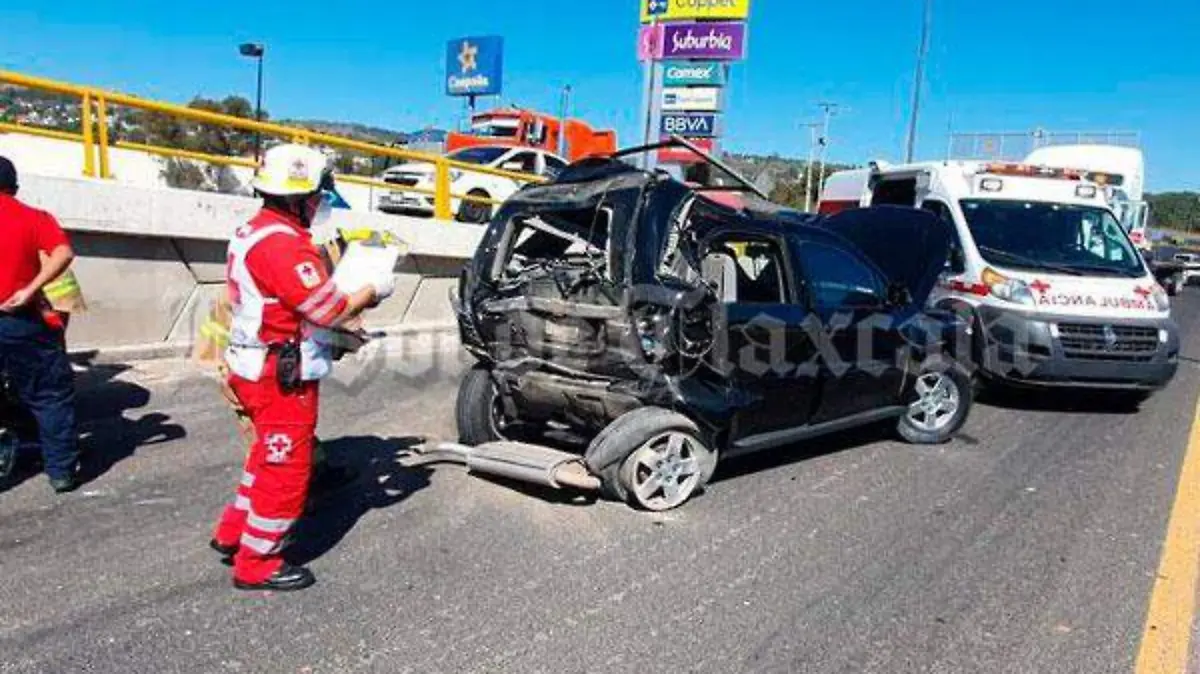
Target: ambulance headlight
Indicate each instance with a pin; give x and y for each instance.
(1161, 301)
(1011, 290)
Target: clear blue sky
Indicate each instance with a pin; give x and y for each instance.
(1015, 64)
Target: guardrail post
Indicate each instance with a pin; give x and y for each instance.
(102, 128)
(89, 152)
(441, 194)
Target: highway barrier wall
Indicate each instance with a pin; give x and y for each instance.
(151, 261)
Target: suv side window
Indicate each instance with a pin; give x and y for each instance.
(746, 270)
(956, 262)
(837, 279)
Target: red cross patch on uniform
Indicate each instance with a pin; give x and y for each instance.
(309, 277)
(279, 448)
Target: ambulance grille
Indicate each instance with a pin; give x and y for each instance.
(1119, 343)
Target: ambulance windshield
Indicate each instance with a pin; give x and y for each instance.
(1049, 236)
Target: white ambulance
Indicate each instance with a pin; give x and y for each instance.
(1055, 292)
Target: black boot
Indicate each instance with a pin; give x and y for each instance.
(63, 485)
(226, 551)
(286, 579)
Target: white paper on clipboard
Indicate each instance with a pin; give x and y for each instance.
(363, 265)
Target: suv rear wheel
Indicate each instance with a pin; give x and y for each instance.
(652, 458)
(944, 397)
(478, 410)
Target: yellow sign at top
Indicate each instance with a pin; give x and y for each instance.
(688, 10)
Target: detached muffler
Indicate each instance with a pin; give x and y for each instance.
(516, 461)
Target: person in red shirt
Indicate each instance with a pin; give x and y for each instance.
(284, 303)
(33, 357)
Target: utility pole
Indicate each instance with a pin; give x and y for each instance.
(830, 109)
(812, 155)
(918, 83)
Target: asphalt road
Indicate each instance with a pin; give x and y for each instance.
(1028, 545)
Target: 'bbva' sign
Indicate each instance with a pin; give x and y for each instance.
(691, 125)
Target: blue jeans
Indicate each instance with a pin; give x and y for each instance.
(34, 359)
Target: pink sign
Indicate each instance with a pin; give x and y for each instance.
(650, 43)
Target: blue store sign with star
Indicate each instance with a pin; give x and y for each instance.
(475, 66)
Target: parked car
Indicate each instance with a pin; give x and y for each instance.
(465, 182)
(1191, 266)
(674, 330)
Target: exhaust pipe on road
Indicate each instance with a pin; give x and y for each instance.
(517, 461)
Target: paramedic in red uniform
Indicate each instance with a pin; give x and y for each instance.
(283, 305)
(32, 351)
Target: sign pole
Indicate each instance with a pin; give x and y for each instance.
(648, 107)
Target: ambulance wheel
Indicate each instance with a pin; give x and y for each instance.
(654, 459)
(478, 410)
(473, 211)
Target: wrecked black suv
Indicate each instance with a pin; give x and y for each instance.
(676, 326)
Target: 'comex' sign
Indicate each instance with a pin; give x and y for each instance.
(475, 66)
(692, 73)
(686, 10)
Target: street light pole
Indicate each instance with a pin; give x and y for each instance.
(830, 109)
(918, 83)
(256, 51)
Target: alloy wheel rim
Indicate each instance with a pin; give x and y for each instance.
(938, 401)
(666, 470)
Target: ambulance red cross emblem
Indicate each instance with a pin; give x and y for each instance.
(1144, 292)
(1040, 287)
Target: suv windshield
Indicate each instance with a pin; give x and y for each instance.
(1049, 236)
(478, 155)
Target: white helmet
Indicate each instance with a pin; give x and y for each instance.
(292, 170)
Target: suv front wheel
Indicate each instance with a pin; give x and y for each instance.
(944, 395)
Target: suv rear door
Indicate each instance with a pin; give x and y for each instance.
(760, 345)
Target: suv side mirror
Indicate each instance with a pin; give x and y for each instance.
(898, 295)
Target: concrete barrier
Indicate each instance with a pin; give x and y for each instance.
(151, 260)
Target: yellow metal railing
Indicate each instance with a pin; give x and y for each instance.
(96, 143)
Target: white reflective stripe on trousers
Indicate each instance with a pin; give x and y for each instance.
(268, 525)
(247, 479)
(260, 545)
(241, 503)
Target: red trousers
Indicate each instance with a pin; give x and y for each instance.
(274, 484)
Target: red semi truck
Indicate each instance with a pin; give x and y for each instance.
(517, 127)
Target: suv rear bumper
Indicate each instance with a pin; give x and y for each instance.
(1052, 350)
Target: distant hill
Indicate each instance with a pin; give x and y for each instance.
(368, 133)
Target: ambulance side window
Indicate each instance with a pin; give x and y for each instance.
(956, 263)
(902, 192)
